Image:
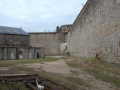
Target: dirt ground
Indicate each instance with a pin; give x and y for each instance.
(61, 67)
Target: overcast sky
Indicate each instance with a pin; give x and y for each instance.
(39, 15)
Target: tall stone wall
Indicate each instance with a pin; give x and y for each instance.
(49, 40)
(97, 30)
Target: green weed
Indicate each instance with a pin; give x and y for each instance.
(26, 61)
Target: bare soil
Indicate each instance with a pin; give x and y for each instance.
(62, 68)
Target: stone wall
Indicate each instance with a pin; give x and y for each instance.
(97, 30)
(14, 39)
(10, 53)
(2, 38)
(49, 40)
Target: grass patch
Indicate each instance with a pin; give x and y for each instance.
(111, 68)
(13, 86)
(72, 61)
(62, 78)
(91, 59)
(75, 72)
(26, 61)
(104, 77)
(2, 87)
(68, 81)
(72, 82)
(103, 70)
(97, 67)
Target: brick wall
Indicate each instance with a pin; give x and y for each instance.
(97, 30)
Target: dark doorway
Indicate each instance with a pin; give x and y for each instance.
(17, 53)
(38, 55)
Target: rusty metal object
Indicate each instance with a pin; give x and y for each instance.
(54, 85)
(32, 87)
(30, 82)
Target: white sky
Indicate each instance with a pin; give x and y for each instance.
(39, 15)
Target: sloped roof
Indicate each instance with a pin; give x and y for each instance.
(12, 30)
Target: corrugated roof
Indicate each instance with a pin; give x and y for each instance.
(12, 30)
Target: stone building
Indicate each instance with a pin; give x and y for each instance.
(8, 53)
(97, 30)
(14, 44)
(63, 35)
(51, 41)
(10, 36)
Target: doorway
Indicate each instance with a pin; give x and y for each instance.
(38, 55)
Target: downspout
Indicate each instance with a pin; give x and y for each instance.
(44, 44)
(5, 40)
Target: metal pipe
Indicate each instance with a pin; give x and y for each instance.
(5, 40)
(45, 41)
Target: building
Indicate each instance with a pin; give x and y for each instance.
(10, 36)
(53, 42)
(63, 28)
(95, 31)
(10, 53)
(49, 40)
(15, 44)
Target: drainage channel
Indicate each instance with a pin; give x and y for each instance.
(30, 82)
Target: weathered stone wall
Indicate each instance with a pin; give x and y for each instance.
(49, 40)
(2, 38)
(14, 39)
(8, 53)
(97, 30)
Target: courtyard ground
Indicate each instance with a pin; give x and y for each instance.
(76, 74)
